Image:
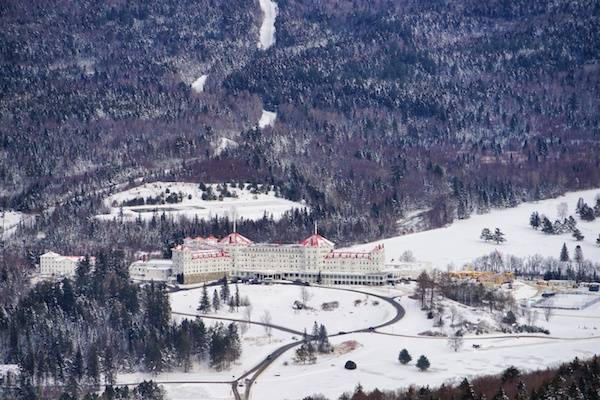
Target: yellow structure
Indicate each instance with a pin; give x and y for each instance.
(485, 277)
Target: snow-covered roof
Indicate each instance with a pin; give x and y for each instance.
(50, 254)
(235, 238)
(317, 240)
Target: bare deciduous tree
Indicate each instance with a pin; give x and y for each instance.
(266, 320)
(455, 342)
(562, 210)
(305, 295)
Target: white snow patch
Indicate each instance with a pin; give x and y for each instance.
(267, 28)
(224, 143)
(459, 243)
(198, 84)
(10, 220)
(267, 118)
(246, 205)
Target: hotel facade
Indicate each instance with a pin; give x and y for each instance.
(312, 260)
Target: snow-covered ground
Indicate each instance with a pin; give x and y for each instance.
(267, 118)
(267, 28)
(246, 205)
(572, 333)
(459, 243)
(278, 299)
(377, 364)
(10, 220)
(198, 84)
(256, 345)
(224, 143)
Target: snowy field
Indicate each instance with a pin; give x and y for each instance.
(377, 364)
(246, 205)
(459, 243)
(571, 301)
(278, 299)
(572, 333)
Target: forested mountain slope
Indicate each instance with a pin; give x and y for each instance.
(381, 106)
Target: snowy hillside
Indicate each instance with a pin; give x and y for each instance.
(459, 243)
(188, 199)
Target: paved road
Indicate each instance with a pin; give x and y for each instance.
(278, 327)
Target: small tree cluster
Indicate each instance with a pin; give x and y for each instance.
(497, 236)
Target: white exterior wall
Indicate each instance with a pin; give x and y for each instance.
(151, 270)
(53, 264)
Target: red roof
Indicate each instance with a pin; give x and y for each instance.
(316, 240)
(235, 238)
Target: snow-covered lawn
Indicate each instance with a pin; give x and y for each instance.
(194, 391)
(377, 364)
(267, 28)
(246, 205)
(459, 243)
(278, 300)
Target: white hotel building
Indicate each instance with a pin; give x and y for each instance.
(313, 259)
(55, 265)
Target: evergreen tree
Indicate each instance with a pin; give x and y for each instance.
(501, 395)
(577, 235)
(404, 357)
(468, 392)
(108, 365)
(486, 234)
(564, 253)
(231, 304)
(237, 296)
(423, 363)
(547, 226)
(76, 371)
(534, 220)
(225, 290)
(578, 254)
(598, 240)
(216, 301)
(204, 306)
(522, 392)
(93, 364)
(323, 340)
(315, 332)
(232, 343)
(498, 236)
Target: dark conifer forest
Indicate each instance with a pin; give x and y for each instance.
(382, 107)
